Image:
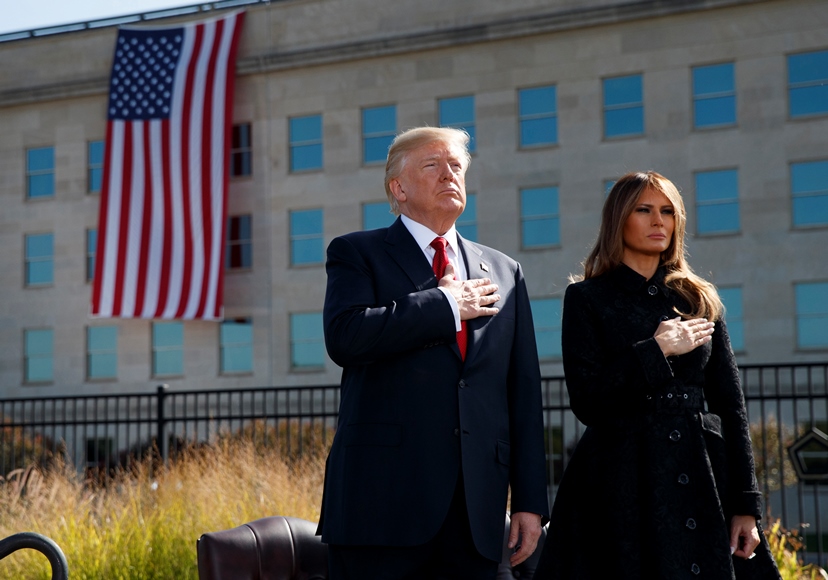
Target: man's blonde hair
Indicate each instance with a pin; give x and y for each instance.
(412, 139)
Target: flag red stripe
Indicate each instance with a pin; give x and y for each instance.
(123, 234)
(166, 257)
(140, 291)
(206, 163)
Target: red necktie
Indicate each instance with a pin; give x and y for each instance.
(439, 265)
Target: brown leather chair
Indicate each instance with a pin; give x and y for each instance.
(273, 548)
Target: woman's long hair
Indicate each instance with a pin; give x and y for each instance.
(608, 251)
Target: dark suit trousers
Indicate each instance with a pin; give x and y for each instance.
(450, 555)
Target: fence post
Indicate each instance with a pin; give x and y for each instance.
(159, 436)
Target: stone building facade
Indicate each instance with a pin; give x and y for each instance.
(727, 98)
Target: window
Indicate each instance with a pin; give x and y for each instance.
(91, 248)
(732, 300)
(306, 237)
(808, 83)
(812, 314)
(714, 96)
(306, 143)
(377, 215)
(538, 116)
(239, 250)
(307, 341)
(102, 352)
(94, 172)
(241, 153)
(236, 337)
(167, 349)
(809, 193)
(546, 316)
(466, 224)
(623, 107)
(539, 217)
(39, 259)
(40, 172)
(717, 201)
(379, 126)
(37, 353)
(458, 112)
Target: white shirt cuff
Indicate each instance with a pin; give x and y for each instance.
(454, 308)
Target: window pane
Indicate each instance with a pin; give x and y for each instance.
(307, 340)
(167, 362)
(306, 157)
(38, 355)
(537, 101)
(306, 251)
(810, 211)
(42, 185)
(39, 259)
(42, 159)
(306, 143)
(377, 215)
(91, 248)
(458, 112)
(715, 111)
(732, 300)
(102, 365)
(40, 172)
(717, 205)
(812, 314)
(623, 91)
(379, 125)
(241, 151)
(165, 334)
(38, 342)
(305, 129)
(39, 369)
(808, 83)
(539, 131)
(541, 232)
(239, 250)
(236, 332)
(376, 148)
(236, 346)
(306, 236)
(718, 218)
(306, 222)
(101, 338)
(620, 122)
(466, 224)
(717, 78)
(95, 173)
(540, 201)
(546, 316)
(808, 67)
(809, 190)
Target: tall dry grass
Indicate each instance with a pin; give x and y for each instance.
(144, 523)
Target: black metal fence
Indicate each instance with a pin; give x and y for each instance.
(104, 431)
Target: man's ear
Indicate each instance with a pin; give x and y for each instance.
(397, 190)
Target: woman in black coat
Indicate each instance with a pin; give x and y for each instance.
(662, 484)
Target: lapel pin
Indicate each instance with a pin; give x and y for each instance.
(484, 267)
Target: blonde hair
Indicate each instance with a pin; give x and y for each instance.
(608, 251)
(412, 139)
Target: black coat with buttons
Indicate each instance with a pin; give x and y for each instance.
(666, 458)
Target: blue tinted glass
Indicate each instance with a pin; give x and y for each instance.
(39, 369)
(166, 334)
(306, 326)
(242, 222)
(623, 91)
(546, 316)
(809, 100)
(308, 222)
(303, 129)
(813, 332)
(717, 185)
(541, 232)
(237, 359)
(38, 342)
(96, 152)
(42, 159)
(308, 354)
(715, 111)
(102, 365)
(377, 215)
(718, 218)
(809, 177)
(95, 179)
(620, 122)
(39, 273)
(717, 78)
(542, 131)
(39, 246)
(379, 120)
(42, 185)
(306, 251)
(236, 332)
(457, 111)
(305, 157)
(539, 201)
(376, 148)
(537, 101)
(808, 67)
(812, 298)
(168, 362)
(100, 338)
(811, 210)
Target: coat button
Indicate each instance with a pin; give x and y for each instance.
(695, 569)
(683, 479)
(691, 524)
(462, 384)
(675, 436)
(652, 290)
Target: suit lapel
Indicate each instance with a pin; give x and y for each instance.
(476, 267)
(403, 248)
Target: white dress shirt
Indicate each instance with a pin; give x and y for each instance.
(424, 236)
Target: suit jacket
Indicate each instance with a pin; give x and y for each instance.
(413, 414)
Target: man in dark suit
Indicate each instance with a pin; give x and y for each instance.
(440, 410)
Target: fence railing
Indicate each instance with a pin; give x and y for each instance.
(102, 432)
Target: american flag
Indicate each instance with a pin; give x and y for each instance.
(163, 200)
